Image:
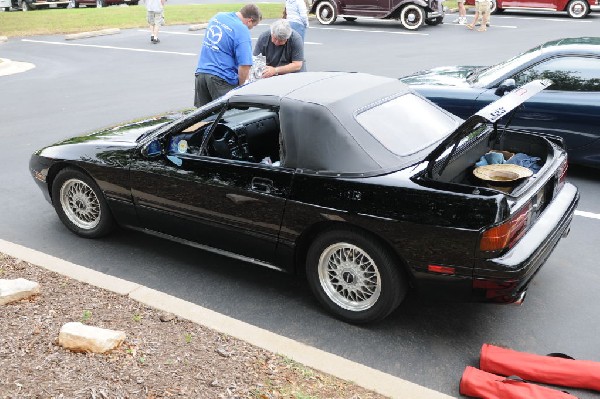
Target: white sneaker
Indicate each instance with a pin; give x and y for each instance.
(462, 20)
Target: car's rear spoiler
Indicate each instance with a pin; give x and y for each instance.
(490, 113)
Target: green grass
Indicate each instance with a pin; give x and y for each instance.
(74, 20)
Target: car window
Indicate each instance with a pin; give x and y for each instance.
(241, 133)
(566, 73)
(499, 71)
(407, 124)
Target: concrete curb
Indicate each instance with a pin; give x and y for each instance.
(337, 366)
(102, 32)
(198, 27)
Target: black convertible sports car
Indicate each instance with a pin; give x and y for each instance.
(352, 179)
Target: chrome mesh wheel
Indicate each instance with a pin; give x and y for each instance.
(80, 204)
(349, 277)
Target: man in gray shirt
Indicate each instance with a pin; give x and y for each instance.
(283, 49)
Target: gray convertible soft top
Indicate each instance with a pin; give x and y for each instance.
(317, 113)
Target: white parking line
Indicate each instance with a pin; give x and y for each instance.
(371, 31)
(108, 47)
(491, 26)
(588, 215)
(202, 34)
(544, 19)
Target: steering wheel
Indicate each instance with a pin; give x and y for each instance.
(226, 143)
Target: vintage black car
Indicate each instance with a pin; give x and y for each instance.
(412, 14)
(353, 179)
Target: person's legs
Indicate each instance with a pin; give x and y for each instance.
(217, 87)
(202, 95)
(298, 27)
(150, 19)
(485, 14)
(158, 21)
(462, 13)
(472, 25)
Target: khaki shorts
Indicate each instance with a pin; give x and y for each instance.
(155, 18)
(483, 7)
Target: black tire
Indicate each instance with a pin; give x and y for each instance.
(354, 276)
(100, 3)
(578, 9)
(134, 3)
(434, 21)
(350, 19)
(326, 12)
(412, 16)
(80, 204)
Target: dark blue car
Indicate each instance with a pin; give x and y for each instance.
(570, 108)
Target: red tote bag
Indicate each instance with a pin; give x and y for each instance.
(545, 369)
(479, 384)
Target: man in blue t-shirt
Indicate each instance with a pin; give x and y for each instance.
(226, 55)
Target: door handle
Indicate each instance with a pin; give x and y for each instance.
(262, 185)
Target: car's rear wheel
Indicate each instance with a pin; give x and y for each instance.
(494, 8)
(100, 3)
(354, 276)
(412, 16)
(80, 204)
(350, 19)
(326, 13)
(578, 8)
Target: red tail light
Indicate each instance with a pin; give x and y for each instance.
(506, 234)
(562, 174)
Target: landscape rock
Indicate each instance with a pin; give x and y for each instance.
(79, 337)
(17, 289)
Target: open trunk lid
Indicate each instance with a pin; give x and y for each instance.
(491, 113)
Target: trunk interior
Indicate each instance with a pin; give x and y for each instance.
(461, 166)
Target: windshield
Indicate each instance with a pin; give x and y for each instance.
(490, 75)
(407, 124)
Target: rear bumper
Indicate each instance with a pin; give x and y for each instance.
(505, 279)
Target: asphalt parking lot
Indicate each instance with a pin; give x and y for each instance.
(78, 86)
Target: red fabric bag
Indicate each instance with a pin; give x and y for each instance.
(479, 384)
(546, 369)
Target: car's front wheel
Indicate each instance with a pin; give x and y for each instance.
(80, 204)
(354, 276)
(494, 8)
(578, 8)
(326, 13)
(412, 16)
(100, 3)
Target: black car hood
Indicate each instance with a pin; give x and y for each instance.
(124, 135)
(442, 76)
(490, 113)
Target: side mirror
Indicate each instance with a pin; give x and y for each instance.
(152, 149)
(505, 87)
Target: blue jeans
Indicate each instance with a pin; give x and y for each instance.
(299, 28)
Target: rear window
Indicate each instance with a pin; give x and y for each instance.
(407, 124)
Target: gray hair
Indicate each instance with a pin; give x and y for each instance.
(281, 29)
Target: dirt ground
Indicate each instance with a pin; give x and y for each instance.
(162, 356)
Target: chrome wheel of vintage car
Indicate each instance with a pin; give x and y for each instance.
(25, 6)
(80, 204)
(354, 276)
(100, 3)
(578, 8)
(412, 16)
(326, 12)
